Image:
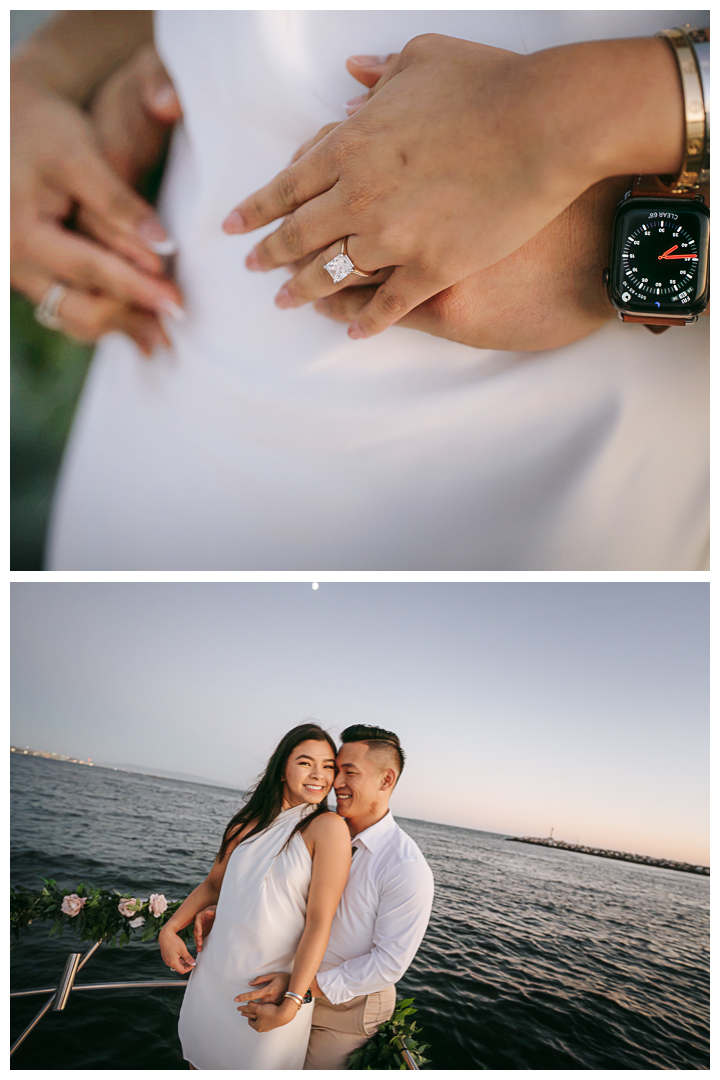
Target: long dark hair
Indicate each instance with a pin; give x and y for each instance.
(264, 801)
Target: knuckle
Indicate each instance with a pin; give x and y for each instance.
(287, 187)
(292, 235)
(421, 45)
(357, 195)
(86, 274)
(453, 308)
(388, 305)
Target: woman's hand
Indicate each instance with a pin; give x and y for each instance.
(462, 154)
(268, 1017)
(174, 951)
(546, 294)
(113, 278)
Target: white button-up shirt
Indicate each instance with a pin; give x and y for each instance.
(382, 917)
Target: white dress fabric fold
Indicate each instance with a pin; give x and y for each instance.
(259, 922)
(267, 440)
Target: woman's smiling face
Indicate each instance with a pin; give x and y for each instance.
(309, 773)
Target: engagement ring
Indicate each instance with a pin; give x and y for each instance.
(342, 266)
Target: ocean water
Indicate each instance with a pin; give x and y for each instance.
(534, 959)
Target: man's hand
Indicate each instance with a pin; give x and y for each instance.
(270, 988)
(203, 925)
(463, 154)
(132, 113)
(268, 1017)
(546, 294)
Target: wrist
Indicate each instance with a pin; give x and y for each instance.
(610, 108)
(288, 1009)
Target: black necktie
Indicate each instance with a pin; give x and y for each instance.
(352, 851)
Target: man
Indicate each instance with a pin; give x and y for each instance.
(383, 914)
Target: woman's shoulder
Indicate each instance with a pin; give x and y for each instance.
(329, 826)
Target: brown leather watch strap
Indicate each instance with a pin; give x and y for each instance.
(658, 323)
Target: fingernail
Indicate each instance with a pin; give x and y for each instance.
(234, 222)
(355, 100)
(164, 97)
(355, 332)
(155, 237)
(283, 298)
(252, 262)
(368, 61)
(173, 310)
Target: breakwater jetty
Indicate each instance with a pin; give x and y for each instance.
(605, 853)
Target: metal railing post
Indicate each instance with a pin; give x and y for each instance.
(66, 982)
(33, 1023)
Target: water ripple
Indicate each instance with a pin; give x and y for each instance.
(535, 958)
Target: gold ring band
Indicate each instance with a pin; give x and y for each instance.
(355, 270)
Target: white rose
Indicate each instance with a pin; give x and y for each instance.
(72, 904)
(128, 907)
(157, 904)
(137, 922)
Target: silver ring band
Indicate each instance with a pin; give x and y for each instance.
(47, 311)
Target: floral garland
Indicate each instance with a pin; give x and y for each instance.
(93, 914)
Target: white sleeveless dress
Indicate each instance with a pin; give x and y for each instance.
(267, 440)
(259, 922)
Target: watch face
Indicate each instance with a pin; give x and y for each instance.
(660, 257)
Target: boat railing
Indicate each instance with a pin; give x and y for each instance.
(60, 996)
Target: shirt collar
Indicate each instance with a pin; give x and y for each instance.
(376, 835)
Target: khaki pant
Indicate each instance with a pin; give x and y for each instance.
(337, 1030)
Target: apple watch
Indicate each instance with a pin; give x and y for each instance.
(659, 262)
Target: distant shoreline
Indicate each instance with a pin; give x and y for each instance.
(622, 856)
(134, 770)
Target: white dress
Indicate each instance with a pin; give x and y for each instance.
(258, 925)
(267, 440)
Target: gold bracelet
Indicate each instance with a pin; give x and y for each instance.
(694, 153)
(294, 997)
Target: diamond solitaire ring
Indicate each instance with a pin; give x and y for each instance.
(47, 310)
(342, 266)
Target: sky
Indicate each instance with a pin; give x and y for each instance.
(522, 707)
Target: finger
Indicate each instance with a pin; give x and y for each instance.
(346, 304)
(126, 220)
(158, 92)
(370, 69)
(373, 72)
(315, 140)
(87, 317)
(402, 292)
(313, 174)
(85, 265)
(437, 315)
(314, 281)
(312, 227)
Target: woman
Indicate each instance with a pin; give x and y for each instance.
(277, 881)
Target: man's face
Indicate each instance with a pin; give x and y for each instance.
(358, 781)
